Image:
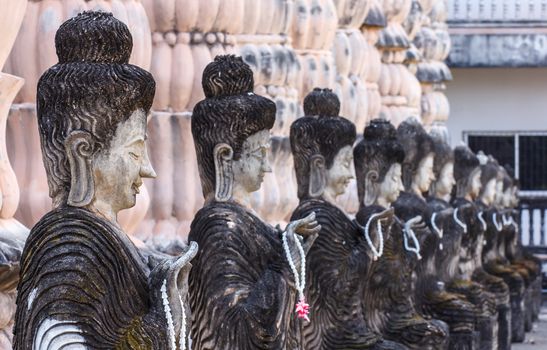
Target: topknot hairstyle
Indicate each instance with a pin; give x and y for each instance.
(465, 163)
(321, 102)
(417, 145)
(93, 37)
(377, 151)
(230, 113)
(318, 134)
(92, 89)
(443, 155)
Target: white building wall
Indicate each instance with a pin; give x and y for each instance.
(497, 99)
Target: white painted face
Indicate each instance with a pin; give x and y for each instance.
(476, 185)
(424, 176)
(507, 200)
(341, 172)
(514, 196)
(392, 185)
(489, 194)
(446, 180)
(499, 192)
(118, 170)
(250, 168)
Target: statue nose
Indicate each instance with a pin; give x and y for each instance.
(147, 171)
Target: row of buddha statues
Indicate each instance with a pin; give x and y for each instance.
(432, 259)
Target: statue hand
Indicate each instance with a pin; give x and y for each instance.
(170, 279)
(415, 222)
(387, 217)
(306, 227)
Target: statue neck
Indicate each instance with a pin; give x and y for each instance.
(329, 195)
(415, 190)
(104, 210)
(383, 202)
(444, 196)
(242, 197)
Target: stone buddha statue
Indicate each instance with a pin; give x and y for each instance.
(83, 283)
(508, 242)
(388, 298)
(431, 297)
(447, 262)
(248, 278)
(513, 246)
(473, 281)
(492, 261)
(337, 264)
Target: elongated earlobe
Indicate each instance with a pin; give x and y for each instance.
(79, 147)
(318, 176)
(371, 188)
(224, 176)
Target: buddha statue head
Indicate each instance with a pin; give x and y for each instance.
(231, 130)
(92, 108)
(467, 173)
(511, 188)
(417, 166)
(491, 180)
(321, 143)
(378, 158)
(443, 169)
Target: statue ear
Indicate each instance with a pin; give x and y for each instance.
(318, 176)
(224, 176)
(372, 188)
(79, 147)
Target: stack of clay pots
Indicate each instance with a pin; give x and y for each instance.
(396, 80)
(32, 54)
(313, 31)
(351, 55)
(373, 24)
(433, 42)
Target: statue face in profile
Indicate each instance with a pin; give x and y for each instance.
(392, 185)
(250, 168)
(475, 184)
(118, 170)
(489, 193)
(446, 181)
(340, 173)
(424, 175)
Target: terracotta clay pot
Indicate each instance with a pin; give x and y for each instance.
(34, 49)
(182, 73)
(230, 16)
(342, 53)
(300, 26)
(251, 16)
(207, 14)
(23, 145)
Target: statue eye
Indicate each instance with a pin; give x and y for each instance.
(134, 155)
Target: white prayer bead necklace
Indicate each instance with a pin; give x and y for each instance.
(380, 251)
(437, 230)
(168, 316)
(481, 219)
(170, 323)
(458, 221)
(408, 232)
(499, 226)
(299, 278)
